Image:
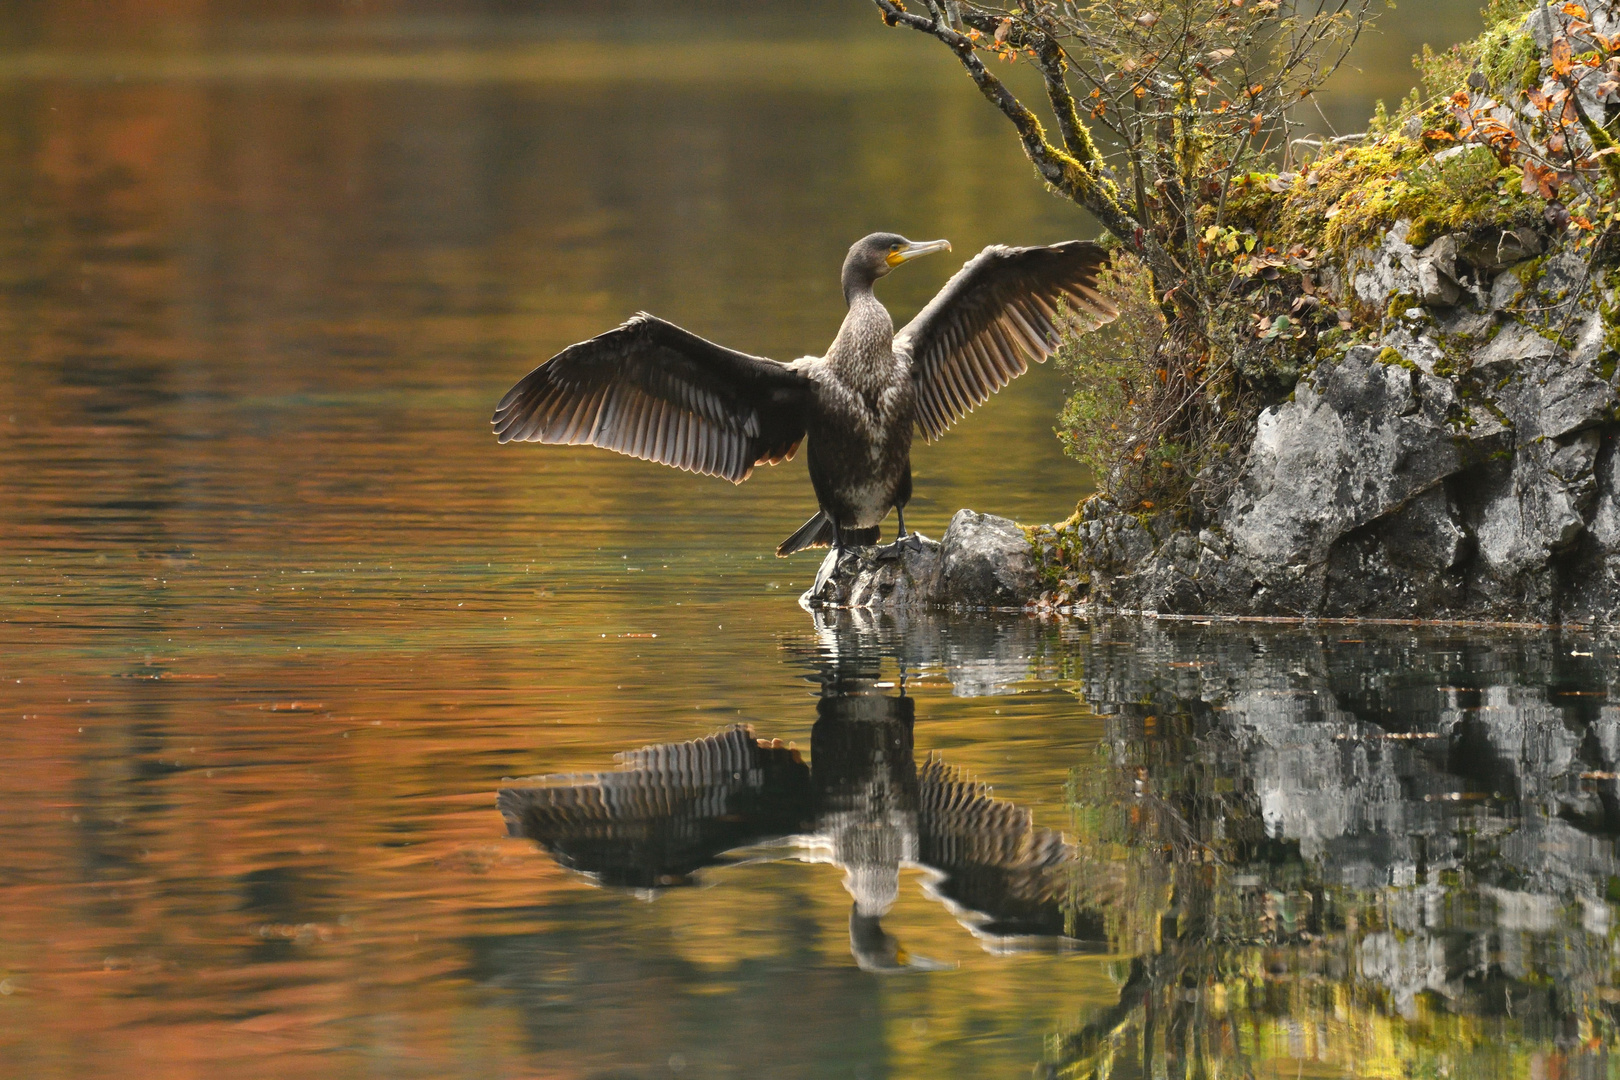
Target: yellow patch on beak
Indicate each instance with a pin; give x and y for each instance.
(911, 251)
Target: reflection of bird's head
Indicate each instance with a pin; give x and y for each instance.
(873, 256)
(876, 950)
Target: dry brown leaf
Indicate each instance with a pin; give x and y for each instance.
(1560, 56)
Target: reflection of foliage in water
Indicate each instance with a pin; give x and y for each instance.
(1389, 856)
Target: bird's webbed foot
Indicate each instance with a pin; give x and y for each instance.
(828, 570)
(909, 542)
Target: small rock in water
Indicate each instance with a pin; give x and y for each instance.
(983, 561)
(986, 561)
(877, 576)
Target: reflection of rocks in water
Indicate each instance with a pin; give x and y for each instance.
(862, 803)
(980, 656)
(1348, 829)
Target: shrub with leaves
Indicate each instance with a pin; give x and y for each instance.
(1547, 117)
(1113, 375)
(1166, 111)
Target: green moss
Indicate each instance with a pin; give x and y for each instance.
(1059, 553)
(1609, 311)
(1529, 272)
(1387, 355)
(1509, 59)
(1454, 363)
(1348, 199)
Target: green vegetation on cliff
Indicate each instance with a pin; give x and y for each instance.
(1505, 146)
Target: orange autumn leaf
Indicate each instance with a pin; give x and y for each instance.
(1560, 56)
(1539, 181)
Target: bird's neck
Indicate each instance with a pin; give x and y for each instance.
(864, 347)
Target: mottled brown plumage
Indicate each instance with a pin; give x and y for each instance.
(654, 391)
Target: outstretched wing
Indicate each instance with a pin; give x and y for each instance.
(656, 392)
(1004, 305)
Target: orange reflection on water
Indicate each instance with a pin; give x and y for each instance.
(278, 615)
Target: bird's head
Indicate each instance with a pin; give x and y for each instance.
(873, 256)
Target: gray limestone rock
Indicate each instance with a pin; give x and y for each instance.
(878, 577)
(986, 562)
(1540, 390)
(1437, 274)
(983, 562)
(1506, 290)
(1494, 250)
(1358, 442)
(1390, 270)
(1440, 472)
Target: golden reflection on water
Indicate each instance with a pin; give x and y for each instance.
(278, 615)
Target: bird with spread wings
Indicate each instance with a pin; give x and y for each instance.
(657, 392)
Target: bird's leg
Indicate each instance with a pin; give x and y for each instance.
(829, 565)
(906, 539)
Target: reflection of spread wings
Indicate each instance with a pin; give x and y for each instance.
(1010, 875)
(668, 811)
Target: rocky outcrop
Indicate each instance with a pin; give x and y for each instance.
(1462, 467)
(1458, 461)
(982, 563)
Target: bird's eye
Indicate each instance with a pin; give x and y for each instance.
(894, 247)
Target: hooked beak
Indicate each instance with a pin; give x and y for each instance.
(911, 251)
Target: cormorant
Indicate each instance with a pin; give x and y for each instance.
(655, 391)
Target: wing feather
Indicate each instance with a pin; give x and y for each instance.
(982, 366)
(1000, 310)
(668, 811)
(1008, 875)
(652, 390)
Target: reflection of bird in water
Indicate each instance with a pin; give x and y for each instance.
(667, 811)
(654, 391)
(862, 803)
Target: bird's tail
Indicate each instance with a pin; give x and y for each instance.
(818, 532)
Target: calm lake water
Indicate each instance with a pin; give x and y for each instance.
(278, 618)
